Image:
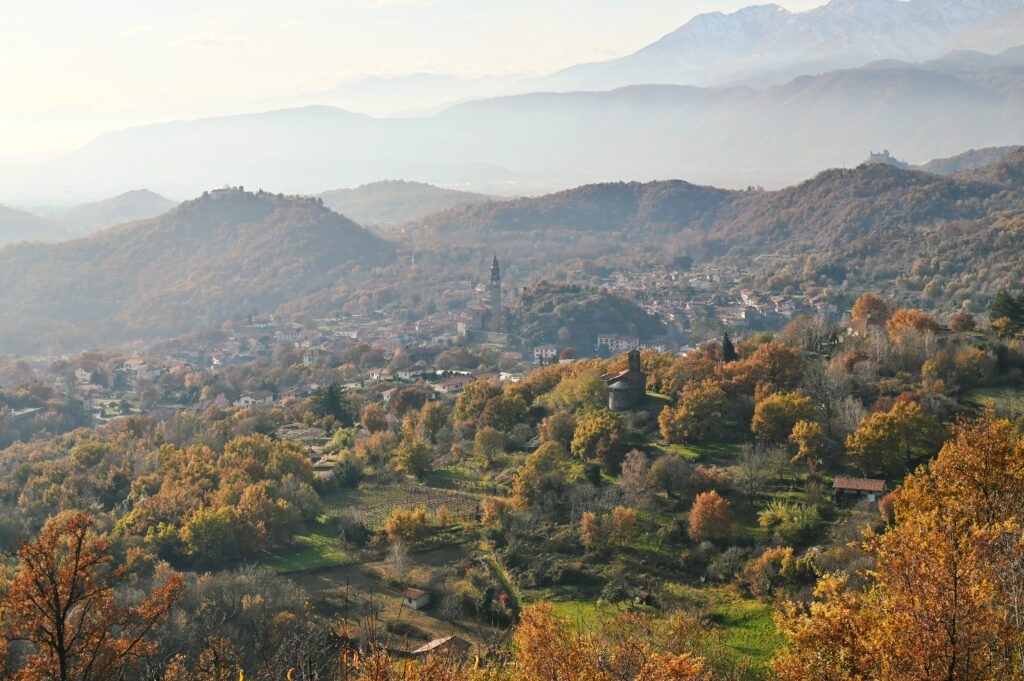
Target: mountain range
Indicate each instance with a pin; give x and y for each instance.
(768, 44)
(762, 96)
(731, 137)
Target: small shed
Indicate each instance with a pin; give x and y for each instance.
(416, 599)
(856, 489)
(450, 646)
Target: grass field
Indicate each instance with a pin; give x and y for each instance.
(749, 628)
(318, 548)
(1006, 401)
(712, 452)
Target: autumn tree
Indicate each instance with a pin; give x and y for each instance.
(670, 474)
(699, 415)
(600, 435)
(63, 603)
(870, 310)
(886, 443)
(711, 518)
(408, 526)
(623, 649)
(583, 391)
(559, 427)
(488, 444)
(415, 457)
(772, 367)
(433, 419)
(591, 532)
(374, 419)
(623, 526)
(904, 323)
(963, 322)
(504, 411)
(943, 599)
(635, 478)
(776, 415)
(809, 440)
(544, 472)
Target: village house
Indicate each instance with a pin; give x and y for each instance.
(83, 376)
(414, 373)
(852, 490)
(453, 385)
(258, 398)
(416, 599)
(545, 354)
(614, 343)
(378, 374)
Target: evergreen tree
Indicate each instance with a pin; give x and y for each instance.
(1006, 306)
(728, 349)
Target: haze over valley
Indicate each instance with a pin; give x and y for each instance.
(447, 340)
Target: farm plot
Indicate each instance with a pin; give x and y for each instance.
(373, 505)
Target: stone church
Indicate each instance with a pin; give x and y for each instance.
(627, 389)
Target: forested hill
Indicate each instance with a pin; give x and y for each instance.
(226, 252)
(574, 316)
(1008, 171)
(969, 160)
(619, 206)
(839, 207)
(831, 210)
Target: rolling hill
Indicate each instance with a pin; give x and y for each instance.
(17, 225)
(226, 252)
(395, 202)
(138, 204)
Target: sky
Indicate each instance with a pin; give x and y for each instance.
(71, 70)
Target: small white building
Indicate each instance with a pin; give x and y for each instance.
(83, 376)
(416, 599)
(453, 385)
(614, 342)
(260, 397)
(544, 354)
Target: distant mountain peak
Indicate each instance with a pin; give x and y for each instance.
(717, 47)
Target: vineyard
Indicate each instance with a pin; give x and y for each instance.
(373, 505)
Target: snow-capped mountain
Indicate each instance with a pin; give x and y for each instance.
(767, 43)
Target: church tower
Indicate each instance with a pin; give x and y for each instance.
(496, 315)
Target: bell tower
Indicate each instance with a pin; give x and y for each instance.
(496, 315)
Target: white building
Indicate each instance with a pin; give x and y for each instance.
(545, 354)
(415, 599)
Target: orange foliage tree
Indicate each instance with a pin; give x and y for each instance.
(711, 517)
(870, 310)
(904, 322)
(62, 603)
(945, 598)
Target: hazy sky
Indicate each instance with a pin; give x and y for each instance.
(71, 69)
